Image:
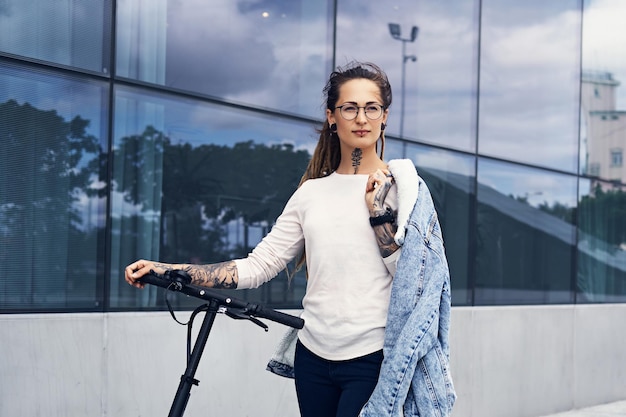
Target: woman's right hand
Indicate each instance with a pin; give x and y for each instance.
(378, 185)
(136, 270)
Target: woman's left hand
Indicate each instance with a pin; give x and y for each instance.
(378, 185)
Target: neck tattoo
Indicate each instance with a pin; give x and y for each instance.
(357, 155)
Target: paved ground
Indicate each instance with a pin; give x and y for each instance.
(606, 410)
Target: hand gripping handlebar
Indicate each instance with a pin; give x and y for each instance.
(178, 280)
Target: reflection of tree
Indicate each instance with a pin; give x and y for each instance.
(47, 164)
(601, 263)
(601, 221)
(205, 187)
(558, 210)
(603, 215)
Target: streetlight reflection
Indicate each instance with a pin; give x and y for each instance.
(396, 33)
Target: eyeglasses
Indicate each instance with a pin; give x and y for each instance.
(350, 111)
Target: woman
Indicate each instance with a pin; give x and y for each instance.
(343, 219)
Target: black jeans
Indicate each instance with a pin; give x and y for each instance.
(334, 388)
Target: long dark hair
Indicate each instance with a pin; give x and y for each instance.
(327, 154)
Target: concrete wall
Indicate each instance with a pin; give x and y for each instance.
(506, 361)
(532, 361)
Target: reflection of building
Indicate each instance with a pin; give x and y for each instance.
(606, 127)
(551, 241)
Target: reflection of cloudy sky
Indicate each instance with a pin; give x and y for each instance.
(66, 97)
(238, 126)
(604, 41)
(538, 186)
(441, 160)
(42, 30)
(271, 54)
(440, 84)
(197, 123)
(529, 82)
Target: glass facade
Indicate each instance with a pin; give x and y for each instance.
(177, 131)
(53, 133)
(525, 234)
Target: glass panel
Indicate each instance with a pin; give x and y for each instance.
(200, 183)
(271, 54)
(394, 149)
(67, 32)
(428, 49)
(450, 179)
(52, 193)
(530, 82)
(525, 235)
(601, 242)
(603, 120)
(601, 237)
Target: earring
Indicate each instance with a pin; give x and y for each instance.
(333, 128)
(382, 126)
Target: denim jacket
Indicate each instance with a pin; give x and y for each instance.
(415, 379)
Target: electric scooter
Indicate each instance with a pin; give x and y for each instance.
(180, 281)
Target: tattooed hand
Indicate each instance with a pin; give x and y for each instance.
(138, 269)
(378, 186)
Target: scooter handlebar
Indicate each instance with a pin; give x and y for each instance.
(180, 281)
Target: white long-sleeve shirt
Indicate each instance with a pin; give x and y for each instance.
(348, 286)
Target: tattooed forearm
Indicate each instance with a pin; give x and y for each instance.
(220, 275)
(384, 238)
(357, 155)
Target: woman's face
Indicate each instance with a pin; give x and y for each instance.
(361, 132)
